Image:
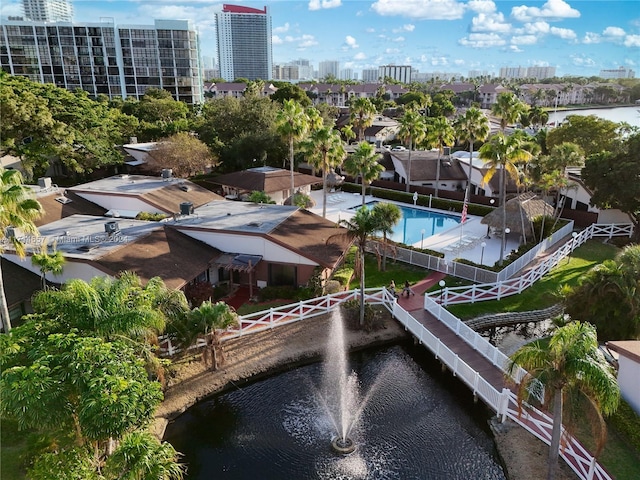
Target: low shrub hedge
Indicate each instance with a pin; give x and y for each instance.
(627, 423)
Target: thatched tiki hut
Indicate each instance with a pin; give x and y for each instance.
(519, 213)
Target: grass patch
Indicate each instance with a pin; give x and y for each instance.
(14, 445)
(248, 308)
(543, 293)
(397, 271)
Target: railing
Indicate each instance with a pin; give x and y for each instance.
(497, 290)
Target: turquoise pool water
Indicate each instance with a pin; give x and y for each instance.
(414, 220)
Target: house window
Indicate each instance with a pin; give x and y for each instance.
(280, 274)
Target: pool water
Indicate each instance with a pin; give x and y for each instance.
(409, 229)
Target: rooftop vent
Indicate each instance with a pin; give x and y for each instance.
(63, 200)
(184, 187)
(254, 224)
(446, 150)
(10, 232)
(133, 139)
(111, 228)
(44, 183)
(166, 174)
(186, 208)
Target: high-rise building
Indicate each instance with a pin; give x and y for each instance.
(370, 75)
(118, 61)
(286, 72)
(305, 69)
(621, 72)
(346, 74)
(328, 68)
(48, 10)
(399, 73)
(540, 73)
(244, 43)
(513, 72)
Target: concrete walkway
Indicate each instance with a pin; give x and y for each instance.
(416, 302)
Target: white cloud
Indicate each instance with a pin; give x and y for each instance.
(360, 56)
(582, 61)
(482, 40)
(391, 50)
(632, 41)
(524, 40)
(307, 41)
(613, 32)
(591, 37)
(515, 49)
(202, 17)
(398, 39)
(564, 33)
(481, 6)
(370, 30)
(276, 40)
(282, 29)
(552, 10)
(439, 61)
(534, 28)
(458, 62)
(492, 22)
(350, 42)
(421, 9)
(321, 4)
(405, 28)
(630, 62)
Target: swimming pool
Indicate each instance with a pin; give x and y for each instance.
(409, 229)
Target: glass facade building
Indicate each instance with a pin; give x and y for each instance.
(102, 58)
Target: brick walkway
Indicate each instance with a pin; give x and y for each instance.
(416, 302)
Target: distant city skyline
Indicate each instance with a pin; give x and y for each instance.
(580, 37)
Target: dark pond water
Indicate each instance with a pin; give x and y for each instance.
(420, 423)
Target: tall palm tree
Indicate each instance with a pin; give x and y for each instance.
(570, 363)
(208, 320)
(388, 215)
(362, 113)
(48, 262)
(18, 209)
(508, 109)
(292, 124)
(412, 130)
(538, 117)
(441, 134)
(363, 163)
(363, 224)
(324, 150)
(471, 127)
(501, 153)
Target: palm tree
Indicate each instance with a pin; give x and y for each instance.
(570, 363)
(364, 163)
(441, 134)
(18, 210)
(208, 320)
(412, 130)
(471, 127)
(538, 116)
(362, 112)
(508, 109)
(363, 224)
(325, 151)
(48, 262)
(292, 124)
(501, 154)
(388, 215)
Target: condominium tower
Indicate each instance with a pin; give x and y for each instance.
(399, 73)
(328, 68)
(244, 43)
(102, 58)
(48, 10)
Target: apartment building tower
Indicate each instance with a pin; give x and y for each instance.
(621, 72)
(399, 73)
(244, 43)
(328, 68)
(370, 75)
(104, 58)
(48, 10)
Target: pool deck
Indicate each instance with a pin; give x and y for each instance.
(462, 241)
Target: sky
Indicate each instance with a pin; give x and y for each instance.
(578, 37)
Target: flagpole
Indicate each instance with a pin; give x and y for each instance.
(463, 218)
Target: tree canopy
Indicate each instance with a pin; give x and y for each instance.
(592, 134)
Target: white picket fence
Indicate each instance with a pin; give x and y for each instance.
(497, 290)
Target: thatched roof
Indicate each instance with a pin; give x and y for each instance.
(520, 213)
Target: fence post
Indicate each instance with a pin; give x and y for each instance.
(270, 318)
(592, 469)
(499, 289)
(504, 404)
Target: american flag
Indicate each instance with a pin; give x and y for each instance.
(465, 204)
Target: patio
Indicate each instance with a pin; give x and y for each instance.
(469, 240)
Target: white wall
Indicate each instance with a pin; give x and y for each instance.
(114, 202)
(71, 269)
(628, 380)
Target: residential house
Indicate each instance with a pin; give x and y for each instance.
(424, 169)
(628, 370)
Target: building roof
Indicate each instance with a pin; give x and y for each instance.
(165, 195)
(424, 166)
(265, 179)
(626, 348)
(165, 253)
(64, 204)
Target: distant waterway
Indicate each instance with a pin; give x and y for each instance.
(630, 115)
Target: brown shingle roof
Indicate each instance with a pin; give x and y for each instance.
(54, 210)
(170, 197)
(166, 253)
(263, 180)
(314, 237)
(424, 166)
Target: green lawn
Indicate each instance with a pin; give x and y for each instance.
(543, 293)
(13, 446)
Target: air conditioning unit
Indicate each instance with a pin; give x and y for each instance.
(10, 232)
(133, 139)
(446, 150)
(186, 208)
(111, 228)
(166, 173)
(44, 182)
